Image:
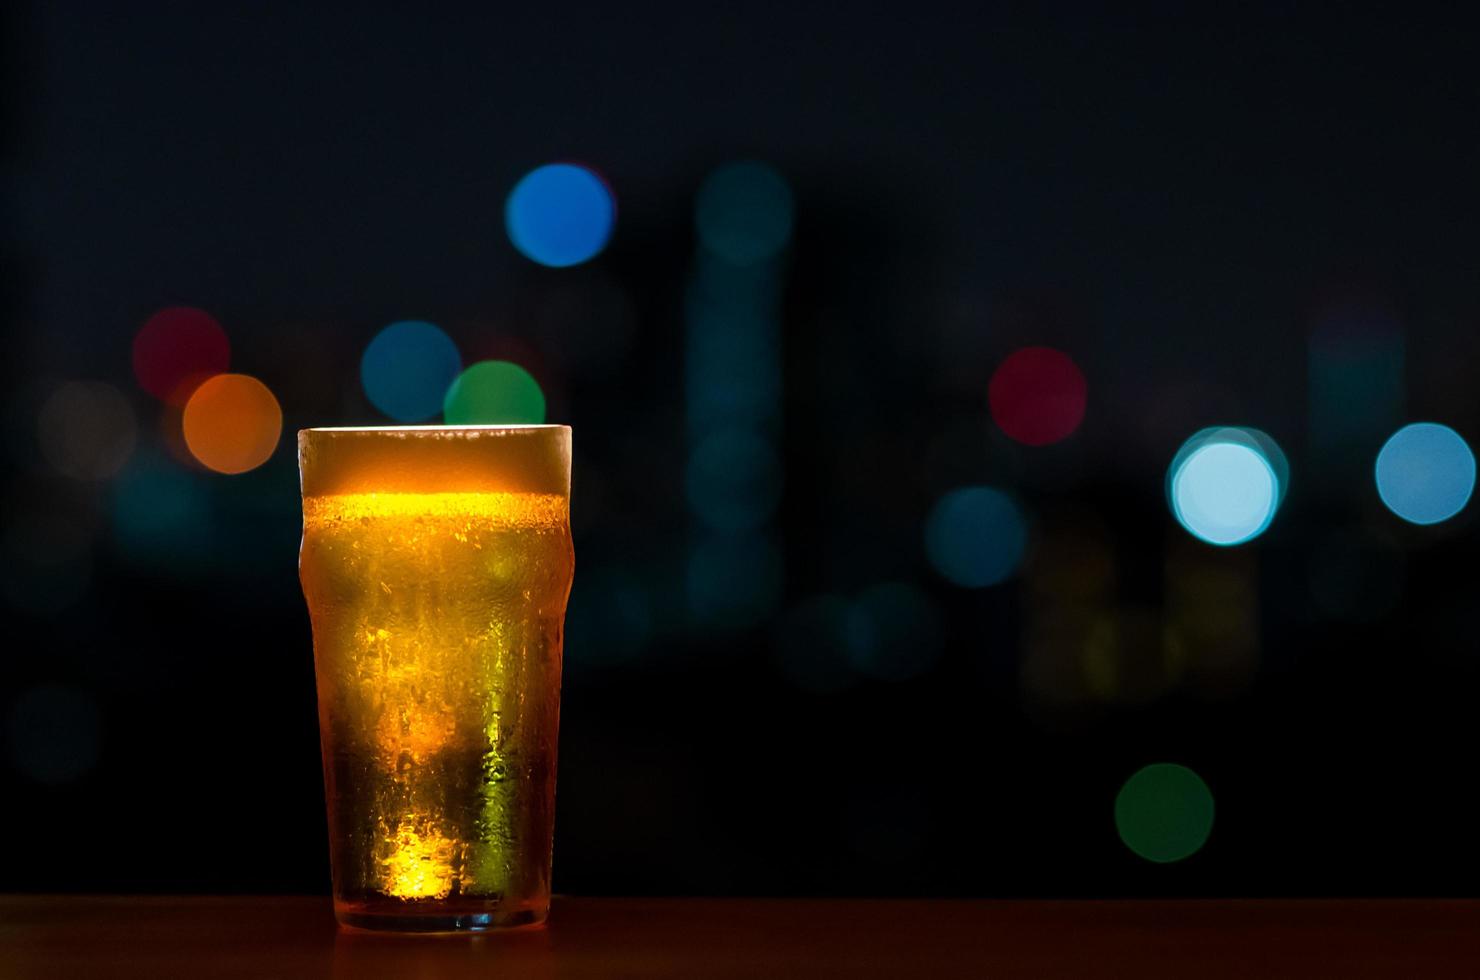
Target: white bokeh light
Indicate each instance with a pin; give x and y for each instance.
(1224, 492)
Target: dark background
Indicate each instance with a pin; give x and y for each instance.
(1177, 199)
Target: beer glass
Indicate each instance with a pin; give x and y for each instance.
(436, 562)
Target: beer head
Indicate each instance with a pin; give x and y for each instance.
(435, 459)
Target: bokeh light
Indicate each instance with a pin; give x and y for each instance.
(733, 581)
(976, 536)
(1037, 396)
(54, 733)
(232, 423)
(161, 515)
(494, 393)
(1272, 453)
(1164, 812)
(177, 349)
(744, 212)
(560, 215)
(733, 480)
(1210, 618)
(1129, 655)
(894, 632)
(1425, 473)
(732, 359)
(407, 369)
(1223, 487)
(1356, 361)
(87, 429)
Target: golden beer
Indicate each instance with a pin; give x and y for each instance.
(436, 563)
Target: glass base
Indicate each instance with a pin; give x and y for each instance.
(396, 916)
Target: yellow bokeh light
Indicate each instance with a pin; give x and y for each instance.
(232, 423)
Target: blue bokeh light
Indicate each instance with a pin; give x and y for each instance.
(1425, 473)
(560, 215)
(407, 369)
(1222, 486)
(975, 536)
(744, 212)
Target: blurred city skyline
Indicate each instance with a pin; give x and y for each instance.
(970, 413)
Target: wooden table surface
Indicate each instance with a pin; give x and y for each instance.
(211, 937)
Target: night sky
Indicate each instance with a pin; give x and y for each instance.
(1179, 200)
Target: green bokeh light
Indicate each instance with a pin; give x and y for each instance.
(494, 393)
(1164, 813)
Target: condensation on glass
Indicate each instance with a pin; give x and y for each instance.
(436, 562)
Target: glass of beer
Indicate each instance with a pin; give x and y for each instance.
(436, 562)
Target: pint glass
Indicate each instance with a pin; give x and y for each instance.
(436, 562)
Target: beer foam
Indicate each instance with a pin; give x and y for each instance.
(527, 459)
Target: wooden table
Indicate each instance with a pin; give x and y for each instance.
(214, 937)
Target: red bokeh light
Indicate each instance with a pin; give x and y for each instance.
(177, 349)
(1037, 396)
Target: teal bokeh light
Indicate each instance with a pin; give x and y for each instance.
(1425, 473)
(975, 537)
(744, 212)
(733, 480)
(162, 516)
(894, 632)
(407, 369)
(733, 581)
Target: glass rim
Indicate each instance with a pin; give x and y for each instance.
(515, 427)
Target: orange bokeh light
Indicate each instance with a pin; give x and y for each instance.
(232, 423)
